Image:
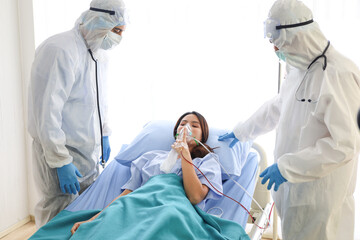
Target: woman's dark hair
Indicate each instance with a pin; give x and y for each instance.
(199, 150)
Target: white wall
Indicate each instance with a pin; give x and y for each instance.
(14, 68)
(27, 48)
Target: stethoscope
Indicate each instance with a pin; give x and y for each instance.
(309, 100)
(98, 108)
(97, 88)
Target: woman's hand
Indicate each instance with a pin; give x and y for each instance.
(77, 225)
(191, 143)
(181, 144)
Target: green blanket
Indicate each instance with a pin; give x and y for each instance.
(157, 210)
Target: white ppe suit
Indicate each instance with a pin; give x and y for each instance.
(317, 143)
(63, 113)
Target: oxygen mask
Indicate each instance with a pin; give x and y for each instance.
(182, 131)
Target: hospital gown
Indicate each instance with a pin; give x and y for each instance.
(148, 165)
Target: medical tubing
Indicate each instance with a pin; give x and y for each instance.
(229, 196)
(98, 108)
(227, 173)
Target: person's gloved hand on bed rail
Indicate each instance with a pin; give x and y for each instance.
(67, 175)
(229, 136)
(272, 174)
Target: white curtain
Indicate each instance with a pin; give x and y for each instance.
(204, 55)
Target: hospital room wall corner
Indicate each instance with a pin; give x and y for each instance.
(17, 192)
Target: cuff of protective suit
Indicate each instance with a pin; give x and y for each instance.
(284, 173)
(106, 130)
(239, 132)
(59, 164)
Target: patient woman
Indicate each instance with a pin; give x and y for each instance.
(197, 188)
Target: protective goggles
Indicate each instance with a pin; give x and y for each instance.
(272, 27)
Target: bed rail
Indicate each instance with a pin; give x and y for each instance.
(262, 196)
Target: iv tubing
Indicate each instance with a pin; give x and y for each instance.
(268, 219)
(227, 173)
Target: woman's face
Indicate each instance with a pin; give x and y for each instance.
(194, 124)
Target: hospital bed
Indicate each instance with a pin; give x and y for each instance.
(240, 164)
(262, 196)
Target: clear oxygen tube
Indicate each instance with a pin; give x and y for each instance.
(171, 159)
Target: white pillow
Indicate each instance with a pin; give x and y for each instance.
(158, 135)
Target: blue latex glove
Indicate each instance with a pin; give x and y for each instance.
(272, 173)
(106, 148)
(227, 136)
(67, 178)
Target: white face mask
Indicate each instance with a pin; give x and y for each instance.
(110, 41)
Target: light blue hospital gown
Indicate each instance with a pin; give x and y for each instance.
(148, 165)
